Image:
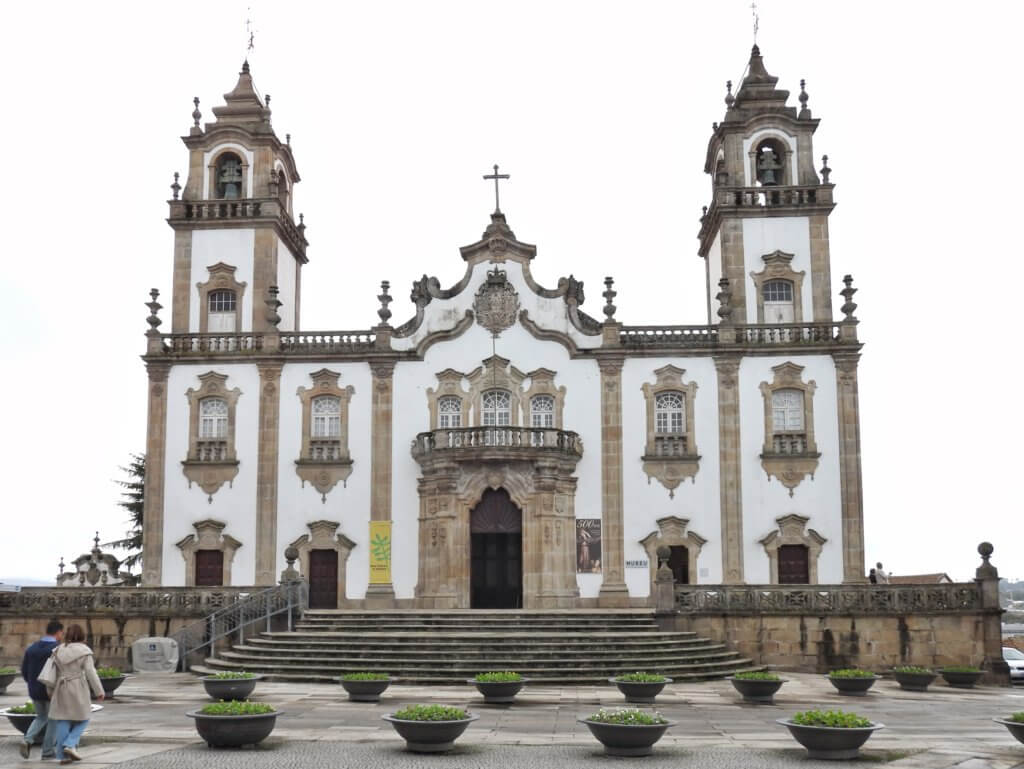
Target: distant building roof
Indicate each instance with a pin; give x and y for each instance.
(920, 579)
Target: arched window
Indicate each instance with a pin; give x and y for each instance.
(213, 419)
(229, 176)
(327, 417)
(497, 408)
(778, 301)
(283, 189)
(542, 411)
(788, 433)
(769, 163)
(669, 413)
(449, 411)
(222, 311)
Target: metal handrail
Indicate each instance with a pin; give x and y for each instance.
(255, 607)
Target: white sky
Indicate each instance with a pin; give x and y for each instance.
(601, 112)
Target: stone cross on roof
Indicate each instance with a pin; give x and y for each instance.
(496, 176)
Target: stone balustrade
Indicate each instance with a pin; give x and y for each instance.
(486, 439)
(193, 213)
(120, 601)
(328, 342)
(773, 196)
(641, 337)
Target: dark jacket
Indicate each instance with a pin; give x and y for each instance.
(32, 665)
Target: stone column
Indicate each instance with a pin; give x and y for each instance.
(850, 485)
(730, 469)
(614, 592)
(734, 266)
(987, 577)
(266, 473)
(156, 455)
(381, 596)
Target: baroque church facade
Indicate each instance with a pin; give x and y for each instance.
(502, 448)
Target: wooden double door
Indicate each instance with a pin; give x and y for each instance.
(323, 579)
(496, 552)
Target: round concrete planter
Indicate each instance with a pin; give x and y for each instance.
(830, 742)
(498, 692)
(853, 687)
(110, 684)
(430, 736)
(21, 721)
(914, 682)
(961, 680)
(640, 692)
(365, 691)
(1016, 728)
(6, 680)
(757, 691)
(234, 731)
(229, 688)
(625, 739)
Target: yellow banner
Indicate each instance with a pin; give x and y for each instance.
(380, 552)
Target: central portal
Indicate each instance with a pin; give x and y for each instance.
(496, 552)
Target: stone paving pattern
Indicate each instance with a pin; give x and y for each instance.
(145, 727)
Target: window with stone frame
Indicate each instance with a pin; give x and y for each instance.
(222, 311)
(670, 424)
(777, 296)
(542, 411)
(790, 452)
(324, 459)
(213, 429)
(496, 408)
(449, 411)
(211, 455)
(325, 440)
(788, 435)
(670, 452)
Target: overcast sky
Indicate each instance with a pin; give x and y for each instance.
(601, 112)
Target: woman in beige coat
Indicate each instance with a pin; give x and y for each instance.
(70, 703)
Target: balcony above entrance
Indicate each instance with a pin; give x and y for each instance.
(496, 444)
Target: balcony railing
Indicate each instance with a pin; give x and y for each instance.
(193, 213)
(789, 443)
(324, 450)
(788, 333)
(211, 450)
(668, 336)
(669, 446)
(768, 197)
(474, 439)
(327, 341)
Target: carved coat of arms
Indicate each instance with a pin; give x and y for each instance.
(496, 304)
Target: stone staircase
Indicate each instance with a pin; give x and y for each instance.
(447, 647)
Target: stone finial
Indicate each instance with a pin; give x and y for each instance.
(724, 297)
(196, 114)
(385, 299)
(175, 188)
(825, 170)
(266, 100)
(302, 224)
(805, 113)
(96, 543)
(729, 98)
(290, 574)
(154, 307)
(288, 139)
(61, 566)
(273, 303)
(609, 294)
(664, 552)
(986, 570)
(703, 214)
(714, 127)
(274, 184)
(847, 293)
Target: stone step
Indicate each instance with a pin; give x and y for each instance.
(572, 614)
(482, 635)
(467, 628)
(491, 657)
(611, 645)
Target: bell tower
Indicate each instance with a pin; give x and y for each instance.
(236, 244)
(766, 230)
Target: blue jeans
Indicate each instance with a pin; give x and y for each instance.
(68, 734)
(42, 723)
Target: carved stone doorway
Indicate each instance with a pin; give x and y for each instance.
(209, 568)
(794, 565)
(496, 552)
(323, 579)
(679, 563)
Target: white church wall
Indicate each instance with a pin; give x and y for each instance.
(697, 500)
(714, 272)
(817, 498)
(234, 248)
(286, 286)
(234, 504)
(763, 235)
(347, 503)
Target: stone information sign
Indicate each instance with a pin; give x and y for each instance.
(155, 655)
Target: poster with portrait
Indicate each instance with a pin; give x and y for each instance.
(588, 545)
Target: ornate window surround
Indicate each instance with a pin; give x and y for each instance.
(324, 474)
(542, 382)
(790, 469)
(778, 266)
(673, 530)
(228, 149)
(670, 470)
(222, 277)
(324, 535)
(496, 374)
(211, 474)
(449, 382)
(793, 531)
(209, 536)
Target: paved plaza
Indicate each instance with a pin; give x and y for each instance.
(145, 728)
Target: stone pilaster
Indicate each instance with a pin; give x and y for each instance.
(156, 454)
(266, 474)
(821, 269)
(734, 268)
(264, 275)
(730, 469)
(614, 592)
(380, 464)
(181, 291)
(850, 485)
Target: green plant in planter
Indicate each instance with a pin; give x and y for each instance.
(30, 709)
(501, 677)
(961, 669)
(8, 671)
(237, 708)
(913, 670)
(1017, 717)
(851, 673)
(628, 717)
(836, 719)
(109, 672)
(233, 675)
(365, 677)
(641, 678)
(430, 713)
(760, 675)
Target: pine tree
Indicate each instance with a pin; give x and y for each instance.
(134, 490)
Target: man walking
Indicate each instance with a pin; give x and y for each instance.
(31, 666)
